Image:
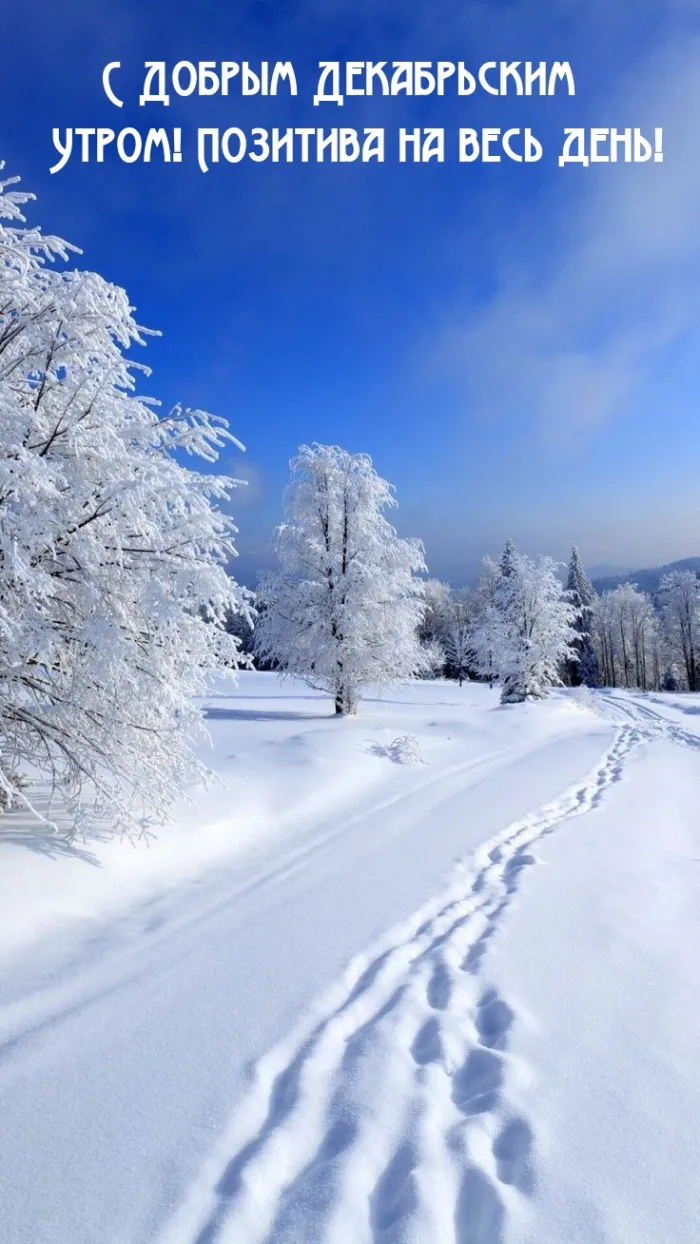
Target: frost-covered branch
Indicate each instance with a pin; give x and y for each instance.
(97, 677)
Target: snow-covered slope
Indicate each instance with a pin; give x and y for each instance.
(426, 975)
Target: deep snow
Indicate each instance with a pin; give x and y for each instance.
(341, 1001)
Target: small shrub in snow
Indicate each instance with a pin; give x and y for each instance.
(403, 750)
(587, 701)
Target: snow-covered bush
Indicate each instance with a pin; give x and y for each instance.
(108, 544)
(585, 698)
(403, 750)
(525, 631)
(343, 610)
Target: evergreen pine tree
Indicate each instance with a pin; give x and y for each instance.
(508, 556)
(526, 631)
(583, 669)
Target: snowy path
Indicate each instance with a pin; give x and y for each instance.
(411, 1098)
(378, 1087)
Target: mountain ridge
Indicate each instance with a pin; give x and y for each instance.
(646, 578)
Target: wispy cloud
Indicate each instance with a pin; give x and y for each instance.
(570, 335)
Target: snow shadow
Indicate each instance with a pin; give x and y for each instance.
(262, 714)
(245, 695)
(395, 1196)
(43, 842)
(407, 703)
(691, 710)
(480, 1213)
(46, 828)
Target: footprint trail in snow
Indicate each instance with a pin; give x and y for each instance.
(386, 1119)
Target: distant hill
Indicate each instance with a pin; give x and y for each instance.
(606, 570)
(648, 579)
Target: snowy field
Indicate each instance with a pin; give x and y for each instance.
(427, 975)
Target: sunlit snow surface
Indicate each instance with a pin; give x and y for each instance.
(427, 975)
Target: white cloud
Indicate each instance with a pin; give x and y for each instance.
(569, 337)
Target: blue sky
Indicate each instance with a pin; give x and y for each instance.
(515, 345)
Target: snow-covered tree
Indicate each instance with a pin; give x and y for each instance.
(108, 544)
(456, 637)
(583, 670)
(527, 630)
(679, 597)
(508, 558)
(604, 630)
(484, 599)
(626, 633)
(344, 608)
(240, 623)
(436, 602)
(444, 629)
(671, 679)
(644, 637)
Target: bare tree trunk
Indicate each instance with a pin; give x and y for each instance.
(345, 701)
(625, 659)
